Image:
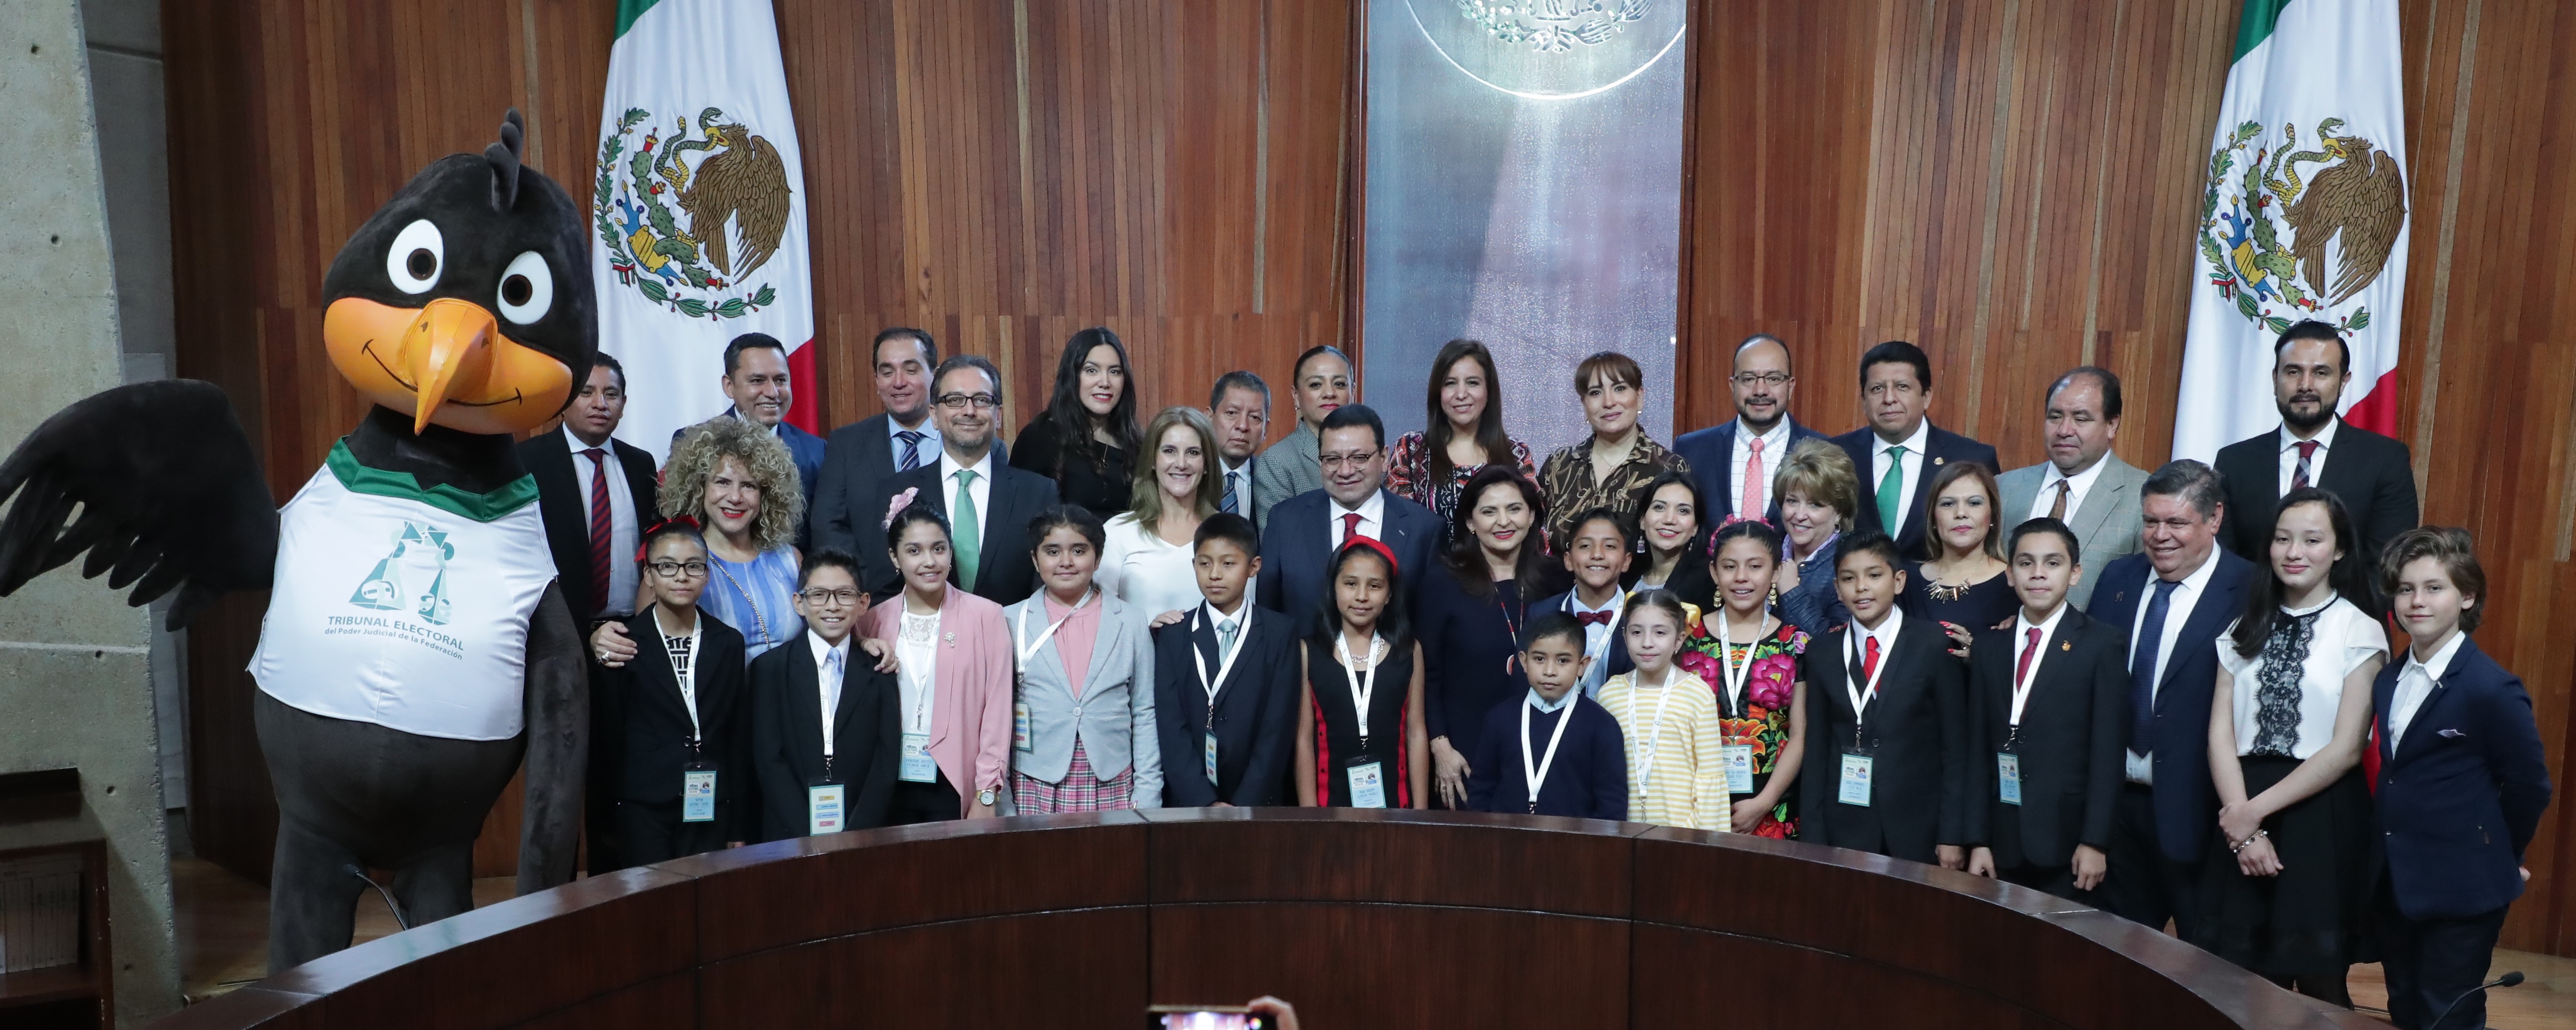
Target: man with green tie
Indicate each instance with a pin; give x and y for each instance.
(1900, 450)
(988, 503)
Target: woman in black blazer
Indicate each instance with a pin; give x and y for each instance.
(1470, 614)
(1086, 439)
(666, 719)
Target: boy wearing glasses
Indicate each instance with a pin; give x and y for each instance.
(824, 737)
(668, 728)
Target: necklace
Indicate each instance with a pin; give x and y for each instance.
(757, 619)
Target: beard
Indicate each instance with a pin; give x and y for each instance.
(2309, 422)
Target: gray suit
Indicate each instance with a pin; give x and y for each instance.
(1115, 715)
(1285, 469)
(2107, 523)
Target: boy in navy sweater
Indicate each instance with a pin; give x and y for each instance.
(1555, 751)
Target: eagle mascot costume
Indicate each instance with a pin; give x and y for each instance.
(415, 648)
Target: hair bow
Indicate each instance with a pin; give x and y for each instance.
(646, 537)
(895, 507)
(1374, 544)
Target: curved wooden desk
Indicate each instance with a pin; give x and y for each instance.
(1363, 919)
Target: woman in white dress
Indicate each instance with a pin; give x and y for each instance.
(1146, 561)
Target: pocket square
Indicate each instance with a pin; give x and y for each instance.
(2453, 734)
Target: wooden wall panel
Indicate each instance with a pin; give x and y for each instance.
(2013, 185)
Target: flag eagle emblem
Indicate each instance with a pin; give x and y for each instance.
(685, 230)
(2254, 191)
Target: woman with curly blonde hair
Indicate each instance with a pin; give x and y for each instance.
(738, 484)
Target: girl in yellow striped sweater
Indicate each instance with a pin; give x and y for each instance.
(1676, 776)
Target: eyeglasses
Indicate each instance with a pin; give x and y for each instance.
(678, 569)
(960, 401)
(1774, 380)
(1355, 458)
(828, 598)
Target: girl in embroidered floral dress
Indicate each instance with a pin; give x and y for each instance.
(1750, 659)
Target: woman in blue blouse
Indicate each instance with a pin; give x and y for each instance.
(737, 482)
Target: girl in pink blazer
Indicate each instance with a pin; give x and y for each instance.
(955, 675)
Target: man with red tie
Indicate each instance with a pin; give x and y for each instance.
(1888, 739)
(2372, 474)
(595, 493)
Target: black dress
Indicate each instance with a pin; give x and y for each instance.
(1337, 734)
(1103, 485)
(1979, 606)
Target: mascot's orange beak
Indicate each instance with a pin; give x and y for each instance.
(444, 362)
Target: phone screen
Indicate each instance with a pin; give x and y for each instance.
(1206, 1019)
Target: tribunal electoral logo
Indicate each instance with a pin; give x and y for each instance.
(412, 577)
(688, 220)
(2283, 249)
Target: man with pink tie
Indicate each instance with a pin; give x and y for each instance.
(1737, 462)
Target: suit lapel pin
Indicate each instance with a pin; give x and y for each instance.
(951, 638)
(1937, 459)
(2066, 645)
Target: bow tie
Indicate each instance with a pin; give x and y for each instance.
(1594, 618)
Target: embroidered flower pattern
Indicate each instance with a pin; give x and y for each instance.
(1770, 687)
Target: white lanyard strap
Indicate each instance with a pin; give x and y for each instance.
(1242, 631)
(1654, 734)
(1535, 774)
(1736, 676)
(1851, 657)
(1020, 632)
(1363, 684)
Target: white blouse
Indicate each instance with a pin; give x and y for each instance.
(2286, 696)
(917, 652)
(1144, 570)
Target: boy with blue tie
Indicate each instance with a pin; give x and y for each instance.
(1225, 681)
(2462, 783)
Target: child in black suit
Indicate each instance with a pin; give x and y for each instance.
(1886, 766)
(668, 733)
(1227, 718)
(1553, 752)
(818, 777)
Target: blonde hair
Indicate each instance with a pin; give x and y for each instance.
(763, 457)
(1821, 470)
(1146, 497)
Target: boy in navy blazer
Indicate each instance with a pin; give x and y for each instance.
(1228, 718)
(1598, 556)
(2462, 783)
(1551, 751)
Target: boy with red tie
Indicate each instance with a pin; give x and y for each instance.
(1887, 733)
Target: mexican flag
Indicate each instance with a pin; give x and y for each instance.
(2303, 216)
(698, 214)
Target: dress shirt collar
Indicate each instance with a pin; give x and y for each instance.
(2331, 598)
(1772, 441)
(1885, 634)
(948, 466)
(1372, 512)
(2022, 626)
(574, 440)
(1574, 602)
(1224, 466)
(2324, 439)
(1540, 702)
(2076, 484)
(1214, 617)
(1913, 445)
(823, 650)
(779, 430)
(2197, 579)
(896, 429)
(2441, 662)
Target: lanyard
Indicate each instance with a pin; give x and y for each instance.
(1020, 631)
(1616, 610)
(1736, 676)
(1363, 685)
(1509, 626)
(1242, 630)
(1851, 657)
(1654, 734)
(685, 671)
(1535, 774)
(923, 679)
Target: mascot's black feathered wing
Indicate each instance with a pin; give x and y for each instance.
(415, 647)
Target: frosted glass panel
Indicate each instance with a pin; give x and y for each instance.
(1524, 189)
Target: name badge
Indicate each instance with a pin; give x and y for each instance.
(917, 766)
(823, 811)
(2008, 777)
(1368, 784)
(1211, 758)
(1738, 760)
(1019, 725)
(697, 795)
(1855, 779)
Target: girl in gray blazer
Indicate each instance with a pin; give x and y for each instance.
(1082, 725)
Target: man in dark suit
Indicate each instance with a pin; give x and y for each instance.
(791, 685)
(2173, 600)
(755, 379)
(1252, 687)
(1739, 461)
(862, 454)
(595, 508)
(1900, 450)
(991, 532)
(2373, 475)
(2049, 718)
(1305, 530)
(2463, 780)
(1239, 409)
(1890, 773)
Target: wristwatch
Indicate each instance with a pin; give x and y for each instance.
(984, 798)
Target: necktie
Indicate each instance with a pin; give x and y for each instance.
(1226, 504)
(2057, 508)
(1891, 492)
(1225, 632)
(1350, 526)
(1603, 619)
(2142, 668)
(911, 449)
(1869, 659)
(1752, 506)
(832, 681)
(602, 528)
(2299, 476)
(2021, 669)
(969, 543)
